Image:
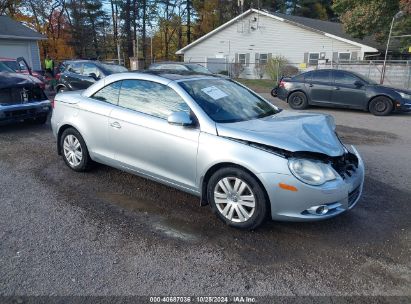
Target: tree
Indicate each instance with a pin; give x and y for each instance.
(362, 18)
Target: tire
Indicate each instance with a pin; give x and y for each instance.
(74, 150)
(274, 92)
(41, 120)
(298, 101)
(381, 106)
(227, 204)
(61, 90)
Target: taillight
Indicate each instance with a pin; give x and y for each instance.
(57, 76)
(281, 84)
(52, 104)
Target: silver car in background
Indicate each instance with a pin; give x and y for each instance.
(214, 138)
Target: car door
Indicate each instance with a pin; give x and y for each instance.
(143, 139)
(319, 87)
(94, 115)
(72, 76)
(349, 90)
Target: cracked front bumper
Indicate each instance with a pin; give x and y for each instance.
(338, 195)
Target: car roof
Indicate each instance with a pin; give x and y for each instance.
(176, 75)
(174, 62)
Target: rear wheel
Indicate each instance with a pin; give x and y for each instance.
(274, 92)
(381, 106)
(237, 198)
(74, 150)
(298, 101)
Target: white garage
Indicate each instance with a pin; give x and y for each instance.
(17, 40)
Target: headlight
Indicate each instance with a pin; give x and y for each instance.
(404, 95)
(311, 172)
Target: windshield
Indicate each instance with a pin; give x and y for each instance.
(198, 68)
(114, 68)
(12, 65)
(226, 101)
(5, 68)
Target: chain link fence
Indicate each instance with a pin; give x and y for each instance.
(397, 72)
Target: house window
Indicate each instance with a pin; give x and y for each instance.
(344, 56)
(263, 59)
(241, 59)
(313, 58)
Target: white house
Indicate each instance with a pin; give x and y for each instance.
(17, 40)
(254, 36)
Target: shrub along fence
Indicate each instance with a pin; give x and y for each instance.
(397, 74)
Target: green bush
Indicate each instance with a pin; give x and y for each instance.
(275, 66)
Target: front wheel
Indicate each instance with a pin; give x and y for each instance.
(298, 101)
(74, 150)
(61, 90)
(237, 198)
(381, 106)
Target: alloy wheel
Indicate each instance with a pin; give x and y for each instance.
(72, 150)
(234, 199)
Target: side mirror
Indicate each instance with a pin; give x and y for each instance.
(93, 75)
(358, 84)
(180, 119)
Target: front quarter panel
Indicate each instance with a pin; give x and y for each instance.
(214, 150)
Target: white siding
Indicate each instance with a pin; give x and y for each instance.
(271, 36)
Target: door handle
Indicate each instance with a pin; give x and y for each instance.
(311, 85)
(115, 125)
(337, 88)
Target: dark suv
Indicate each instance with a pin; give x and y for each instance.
(342, 89)
(80, 74)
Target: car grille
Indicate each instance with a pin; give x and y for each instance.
(353, 195)
(19, 95)
(345, 165)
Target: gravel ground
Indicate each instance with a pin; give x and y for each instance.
(107, 232)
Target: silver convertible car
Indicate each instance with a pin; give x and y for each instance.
(214, 138)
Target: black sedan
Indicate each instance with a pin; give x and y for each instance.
(342, 89)
(80, 74)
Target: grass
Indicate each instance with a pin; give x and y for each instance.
(258, 85)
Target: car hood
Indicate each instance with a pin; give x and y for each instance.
(394, 89)
(8, 79)
(291, 131)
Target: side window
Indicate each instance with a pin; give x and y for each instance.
(108, 93)
(322, 76)
(344, 78)
(151, 98)
(75, 68)
(299, 78)
(307, 76)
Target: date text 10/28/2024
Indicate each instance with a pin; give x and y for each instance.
(205, 299)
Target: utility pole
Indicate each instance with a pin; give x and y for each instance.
(396, 16)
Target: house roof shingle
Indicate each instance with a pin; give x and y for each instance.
(12, 29)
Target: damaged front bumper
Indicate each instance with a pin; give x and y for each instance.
(311, 203)
(17, 112)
